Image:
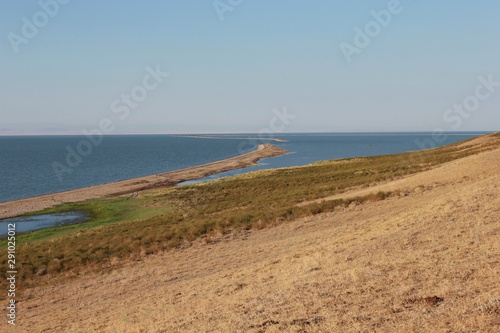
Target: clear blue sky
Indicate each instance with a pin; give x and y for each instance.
(228, 76)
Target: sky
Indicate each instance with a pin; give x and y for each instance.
(231, 66)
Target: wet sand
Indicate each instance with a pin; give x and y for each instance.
(167, 179)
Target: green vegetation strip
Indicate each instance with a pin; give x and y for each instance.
(122, 228)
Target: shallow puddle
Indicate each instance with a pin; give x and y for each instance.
(37, 222)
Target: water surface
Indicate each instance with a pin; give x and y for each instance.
(37, 222)
(26, 163)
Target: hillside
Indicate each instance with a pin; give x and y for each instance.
(424, 259)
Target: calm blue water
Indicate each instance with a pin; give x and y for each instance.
(310, 148)
(27, 163)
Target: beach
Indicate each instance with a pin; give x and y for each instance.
(127, 187)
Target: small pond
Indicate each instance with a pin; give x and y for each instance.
(37, 222)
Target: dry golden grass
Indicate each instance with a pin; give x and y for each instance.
(426, 260)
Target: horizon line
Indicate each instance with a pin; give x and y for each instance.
(240, 133)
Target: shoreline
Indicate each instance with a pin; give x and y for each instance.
(213, 137)
(167, 179)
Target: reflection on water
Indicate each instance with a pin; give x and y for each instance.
(37, 222)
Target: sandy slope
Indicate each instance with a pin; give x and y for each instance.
(425, 261)
(17, 207)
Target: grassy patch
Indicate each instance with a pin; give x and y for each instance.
(102, 211)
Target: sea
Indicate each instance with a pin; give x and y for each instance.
(37, 165)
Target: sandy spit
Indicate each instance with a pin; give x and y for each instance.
(171, 178)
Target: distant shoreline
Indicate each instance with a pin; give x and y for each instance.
(213, 137)
(244, 136)
(167, 179)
